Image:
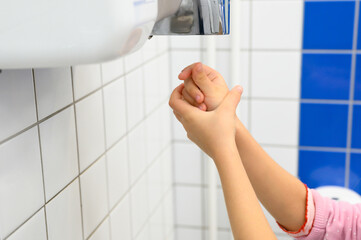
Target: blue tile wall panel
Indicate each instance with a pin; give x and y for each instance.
(323, 125)
(358, 77)
(322, 168)
(328, 25)
(356, 127)
(355, 172)
(326, 76)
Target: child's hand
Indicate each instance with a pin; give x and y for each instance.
(204, 87)
(213, 131)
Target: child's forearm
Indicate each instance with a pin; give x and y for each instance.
(282, 194)
(244, 211)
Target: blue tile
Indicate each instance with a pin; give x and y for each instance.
(326, 76)
(355, 172)
(323, 125)
(328, 25)
(356, 127)
(322, 168)
(358, 77)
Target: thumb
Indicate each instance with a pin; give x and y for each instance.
(201, 79)
(232, 99)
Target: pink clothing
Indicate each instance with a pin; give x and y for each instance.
(333, 220)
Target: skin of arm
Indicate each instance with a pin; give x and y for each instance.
(245, 213)
(282, 194)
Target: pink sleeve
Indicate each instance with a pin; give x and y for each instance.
(334, 220)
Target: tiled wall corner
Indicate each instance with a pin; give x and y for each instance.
(85, 149)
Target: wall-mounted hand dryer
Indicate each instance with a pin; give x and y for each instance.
(48, 33)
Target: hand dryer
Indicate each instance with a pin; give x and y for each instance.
(48, 33)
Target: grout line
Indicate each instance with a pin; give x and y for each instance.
(23, 223)
(41, 151)
(105, 147)
(249, 117)
(78, 155)
(352, 95)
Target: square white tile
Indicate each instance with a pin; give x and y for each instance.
(33, 229)
(59, 151)
(155, 184)
(281, 126)
(168, 209)
(188, 206)
(276, 74)
(164, 78)
(286, 157)
(17, 102)
(223, 42)
(135, 97)
(164, 118)
(156, 225)
(190, 42)
(152, 85)
(86, 78)
(167, 168)
(139, 205)
(137, 152)
(90, 126)
(144, 233)
(133, 60)
(115, 111)
(277, 24)
(21, 178)
(112, 70)
(162, 43)
(120, 221)
(189, 233)
(153, 133)
(150, 49)
(180, 60)
(118, 172)
(53, 89)
(64, 214)
(102, 233)
(93, 183)
(187, 163)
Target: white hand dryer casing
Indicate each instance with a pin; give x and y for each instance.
(48, 33)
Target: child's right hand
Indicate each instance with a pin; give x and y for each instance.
(203, 84)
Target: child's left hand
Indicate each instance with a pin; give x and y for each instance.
(213, 131)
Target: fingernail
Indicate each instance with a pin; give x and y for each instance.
(239, 89)
(200, 107)
(198, 98)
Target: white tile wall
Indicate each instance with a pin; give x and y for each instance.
(277, 24)
(34, 229)
(86, 79)
(187, 163)
(121, 221)
(94, 196)
(118, 171)
(280, 75)
(64, 214)
(21, 179)
(59, 151)
(17, 100)
(53, 89)
(189, 206)
(115, 111)
(90, 126)
(275, 122)
(92, 202)
(102, 233)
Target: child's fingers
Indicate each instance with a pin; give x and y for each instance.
(178, 116)
(201, 79)
(193, 90)
(191, 100)
(186, 72)
(177, 103)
